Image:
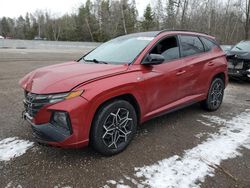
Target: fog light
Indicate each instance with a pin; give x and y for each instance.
(61, 120)
(248, 73)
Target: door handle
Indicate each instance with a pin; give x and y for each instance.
(210, 63)
(180, 73)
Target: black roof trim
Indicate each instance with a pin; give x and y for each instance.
(144, 34)
(156, 33)
(181, 30)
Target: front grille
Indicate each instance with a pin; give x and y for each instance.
(235, 64)
(32, 105)
(238, 64)
(246, 65)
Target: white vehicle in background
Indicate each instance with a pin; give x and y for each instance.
(1, 37)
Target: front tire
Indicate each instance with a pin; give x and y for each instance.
(113, 128)
(215, 95)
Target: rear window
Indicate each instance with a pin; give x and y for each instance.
(190, 45)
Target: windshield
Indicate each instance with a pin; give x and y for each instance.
(121, 50)
(242, 46)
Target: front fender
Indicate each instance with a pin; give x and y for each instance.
(98, 92)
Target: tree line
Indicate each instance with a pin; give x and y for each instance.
(101, 20)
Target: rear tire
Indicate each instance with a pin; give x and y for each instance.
(215, 95)
(113, 128)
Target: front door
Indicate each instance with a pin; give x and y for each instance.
(162, 82)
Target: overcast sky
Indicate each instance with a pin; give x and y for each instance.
(14, 8)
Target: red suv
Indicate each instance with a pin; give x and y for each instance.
(101, 98)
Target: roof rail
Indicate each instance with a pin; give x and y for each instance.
(185, 30)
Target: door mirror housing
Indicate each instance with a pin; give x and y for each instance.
(153, 59)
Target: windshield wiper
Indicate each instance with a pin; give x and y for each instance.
(101, 62)
(238, 48)
(95, 61)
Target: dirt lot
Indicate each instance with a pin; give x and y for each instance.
(160, 138)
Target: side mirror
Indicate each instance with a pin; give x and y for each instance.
(153, 59)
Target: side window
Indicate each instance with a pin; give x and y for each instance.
(208, 43)
(191, 45)
(168, 48)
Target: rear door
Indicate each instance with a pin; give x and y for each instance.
(192, 53)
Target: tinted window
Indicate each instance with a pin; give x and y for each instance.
(209, 44)
(191, 45)
(168, 48)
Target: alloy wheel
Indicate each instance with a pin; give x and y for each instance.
(216, 94)
(116, 128)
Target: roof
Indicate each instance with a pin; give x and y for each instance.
(156, 33)
(144, 34)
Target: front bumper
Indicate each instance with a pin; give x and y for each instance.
(248, 73)
(238, 72)
(46, 132)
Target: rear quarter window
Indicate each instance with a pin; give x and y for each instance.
(209, 43)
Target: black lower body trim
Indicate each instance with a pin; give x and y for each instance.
(237, 73)
(49, 133)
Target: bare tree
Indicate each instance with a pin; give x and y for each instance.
(123, 17)
(184, 11)
(247, 22)
(101, 20)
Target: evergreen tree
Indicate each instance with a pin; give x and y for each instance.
(27, 27)
(170, 19)
(20, 28)
(159, 14)
(5, 27)
(148, 22)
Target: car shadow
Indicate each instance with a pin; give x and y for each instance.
(235, 80)
(153, 125)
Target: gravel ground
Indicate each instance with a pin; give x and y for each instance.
(157, 139)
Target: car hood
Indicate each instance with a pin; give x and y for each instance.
(64, 77)
(239, 55)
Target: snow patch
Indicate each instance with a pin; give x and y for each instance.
(111, 182)
(58, 186)
(205, 123)
(200, 135)
(215, 119)
(10, 185)
(122, 186)
(13, 147)
(201, 161)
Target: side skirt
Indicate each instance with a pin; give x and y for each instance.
(177, 105)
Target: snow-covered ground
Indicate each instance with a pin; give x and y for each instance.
(191, 169)
(13, 147)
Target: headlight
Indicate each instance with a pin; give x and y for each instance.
(58, 97)
(248, 73)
